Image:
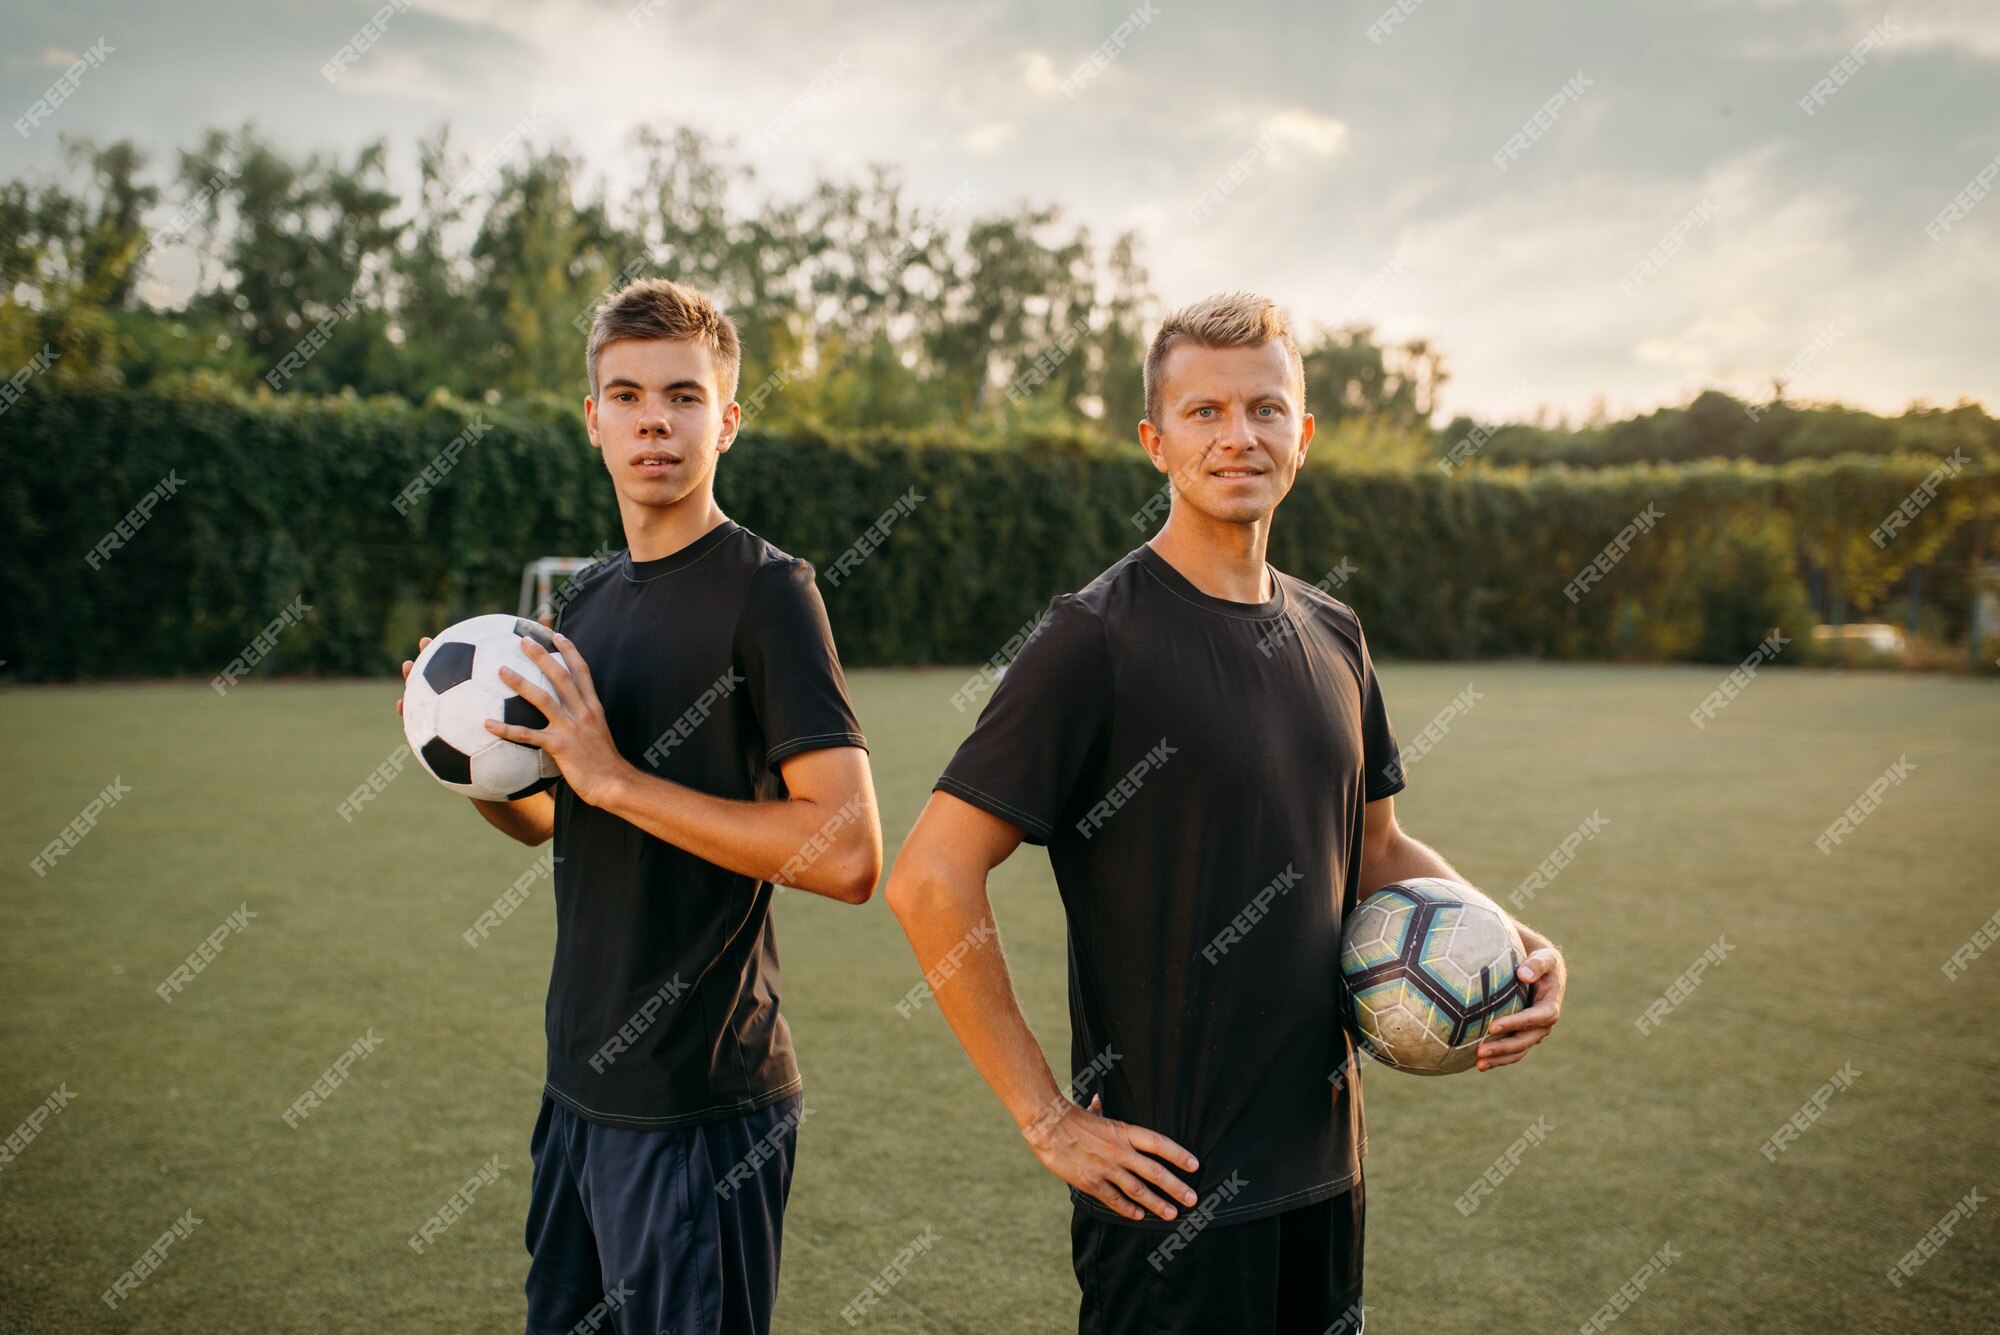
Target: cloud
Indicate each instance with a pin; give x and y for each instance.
(396, 72)
(1296, 128)
(991, 137)
(1526, 287)
(1039, 73)
(1829, 28)
(1514, 275)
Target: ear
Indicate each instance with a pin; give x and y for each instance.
(1155, 447)
(590, 421)
(732, 422)
(1305, 436)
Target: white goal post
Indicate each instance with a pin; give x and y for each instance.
(542, 578)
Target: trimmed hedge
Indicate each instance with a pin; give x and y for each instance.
(274, 498)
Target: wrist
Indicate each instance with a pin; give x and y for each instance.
(1038, 1126)
(614, 795)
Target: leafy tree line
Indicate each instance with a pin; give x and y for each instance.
(264, 502)
(1719, 426)
(858, 308)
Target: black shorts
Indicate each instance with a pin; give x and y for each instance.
(1299, 1271)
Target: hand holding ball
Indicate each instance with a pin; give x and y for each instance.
(455, 687)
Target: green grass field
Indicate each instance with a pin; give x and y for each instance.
(1834, 961)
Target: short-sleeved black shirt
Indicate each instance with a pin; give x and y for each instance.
(713, 664)
(1197, 768)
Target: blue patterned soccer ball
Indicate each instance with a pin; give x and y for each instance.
(455, 687)
(1428, 964)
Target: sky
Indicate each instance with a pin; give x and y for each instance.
(1580, 202)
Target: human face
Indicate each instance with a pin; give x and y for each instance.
(659, 420)
(1232, 432)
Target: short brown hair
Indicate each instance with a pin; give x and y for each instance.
(663, 309)
(1228, 320)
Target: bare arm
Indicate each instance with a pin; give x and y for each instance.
(824, 836)
(532, 820)
(938, 891)
(1389, 854)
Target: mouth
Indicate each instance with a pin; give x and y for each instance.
(1236, 473)
(652, 463)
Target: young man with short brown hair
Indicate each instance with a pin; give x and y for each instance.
(708, 749)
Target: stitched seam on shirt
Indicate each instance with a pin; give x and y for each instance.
(719, 544)
(1037, 826)
(797, 743)
(1284, 597)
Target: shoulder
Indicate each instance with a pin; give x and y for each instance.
(775, 575)
(1319, 602)
(1101, 601)
(1321, 608)
(1071, 636)
(780, 597)
(1094, 608)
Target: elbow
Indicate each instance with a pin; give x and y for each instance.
(852, 878)
(913, 888)
(857, 886)
(1381, 852)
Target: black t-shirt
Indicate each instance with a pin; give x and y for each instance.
(1197, 768)
(713, 664)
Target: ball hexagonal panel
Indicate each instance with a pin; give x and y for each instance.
(1375, 934)
(419, 712)
(507, 768)
(462, 714)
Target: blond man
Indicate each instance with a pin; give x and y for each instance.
(1191, 734)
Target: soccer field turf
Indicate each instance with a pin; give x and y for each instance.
(1624, 1146)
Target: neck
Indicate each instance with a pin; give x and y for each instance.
(1222, 560)
(654, 531)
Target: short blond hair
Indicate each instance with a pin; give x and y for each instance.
(1227, 320)
(660, 308)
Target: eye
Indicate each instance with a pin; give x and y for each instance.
(1204, 412)
(624, 396)
(1269, 410)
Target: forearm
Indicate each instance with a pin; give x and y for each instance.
(532, 820)
(1402, 857)
(957, 945)
(1533, 939)
(797, 841)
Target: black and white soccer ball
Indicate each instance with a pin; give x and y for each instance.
(455, 686)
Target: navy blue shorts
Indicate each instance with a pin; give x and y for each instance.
(658, 1232)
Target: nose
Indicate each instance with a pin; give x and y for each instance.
(1235, 435)
(653, 420)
